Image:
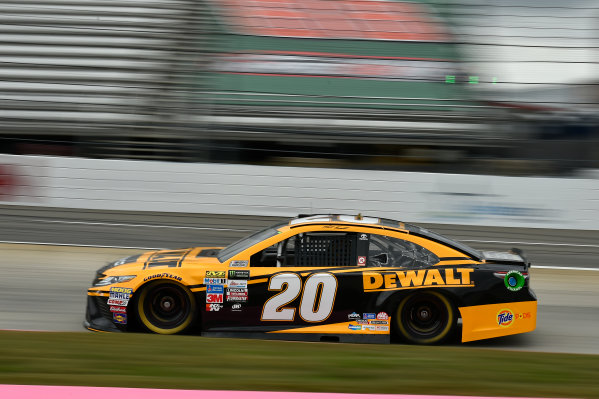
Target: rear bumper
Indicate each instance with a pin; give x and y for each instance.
(497, 320)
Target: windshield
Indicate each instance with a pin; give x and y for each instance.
(246, 242)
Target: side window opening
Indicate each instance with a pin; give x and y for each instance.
(325, 249)
(309, 249)
(265, 258)
(395, 252)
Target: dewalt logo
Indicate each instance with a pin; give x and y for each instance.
(405, 280)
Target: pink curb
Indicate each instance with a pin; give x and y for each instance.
(63, 392)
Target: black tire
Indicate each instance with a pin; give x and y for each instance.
(166, 307)
(425, 318)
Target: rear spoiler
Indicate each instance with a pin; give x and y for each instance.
(515, 256)
(520, 252)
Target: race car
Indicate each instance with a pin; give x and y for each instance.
(341, 278)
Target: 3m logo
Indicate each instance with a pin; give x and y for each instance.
(214, 298)
(505, 318)
(400, 280)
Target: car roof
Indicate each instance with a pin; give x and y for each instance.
(359, 220)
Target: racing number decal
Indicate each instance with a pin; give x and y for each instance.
(318, 297)
(273, 308)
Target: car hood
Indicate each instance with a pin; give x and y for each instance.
(160, 258)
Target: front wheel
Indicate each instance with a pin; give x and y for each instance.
(166, 308)
(425, 318)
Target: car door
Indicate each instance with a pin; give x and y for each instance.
(301, 280)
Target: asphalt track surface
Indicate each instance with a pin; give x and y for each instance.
(50, 255)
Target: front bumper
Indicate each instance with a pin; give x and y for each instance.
(98, 316)
(497, 320)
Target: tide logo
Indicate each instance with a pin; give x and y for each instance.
(400, 280)
(505, 317)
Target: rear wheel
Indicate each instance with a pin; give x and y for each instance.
(425, 318)
(166, 308)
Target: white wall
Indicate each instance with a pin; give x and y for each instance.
(287, 191)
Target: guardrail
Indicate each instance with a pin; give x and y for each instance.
(287, 191)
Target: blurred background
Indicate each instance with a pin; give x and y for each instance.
(165, 123)
(461, 86)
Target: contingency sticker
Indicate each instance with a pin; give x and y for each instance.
(215, 289)
(237, 295)
(215, 281)
(214, 298)
(238, 263)
(119, 318)
(514, 280)
(237, 283)
(216, 274)
(119, 296)
(239, 274)
(213, 307)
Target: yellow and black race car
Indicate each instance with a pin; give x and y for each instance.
(324, 278)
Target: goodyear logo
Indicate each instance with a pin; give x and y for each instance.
(505, 317)
(403, 280)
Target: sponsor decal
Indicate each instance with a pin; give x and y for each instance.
(163, 275)
(240, 293)
(119, 295)
(236, 307)
(238, 263)
(237, 283)
(237, 295)
(361, 261)
(214, 298)
(118, 302)
(519, 316)
(215, 281)
(378, 321)
(239, 274)
(237, 299)
(215, 289)
(213, 307)
(505, 317)
(367, 327)
(369, 316)
(363, 237)
(400, 280)
(121, 290)
(382, 328)
(354, 327)
(514, 280)
(362, 321)
(216, 274)
(118, 309)
(335, 227)
(353, 316)
(119, 318)
(382, 316)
